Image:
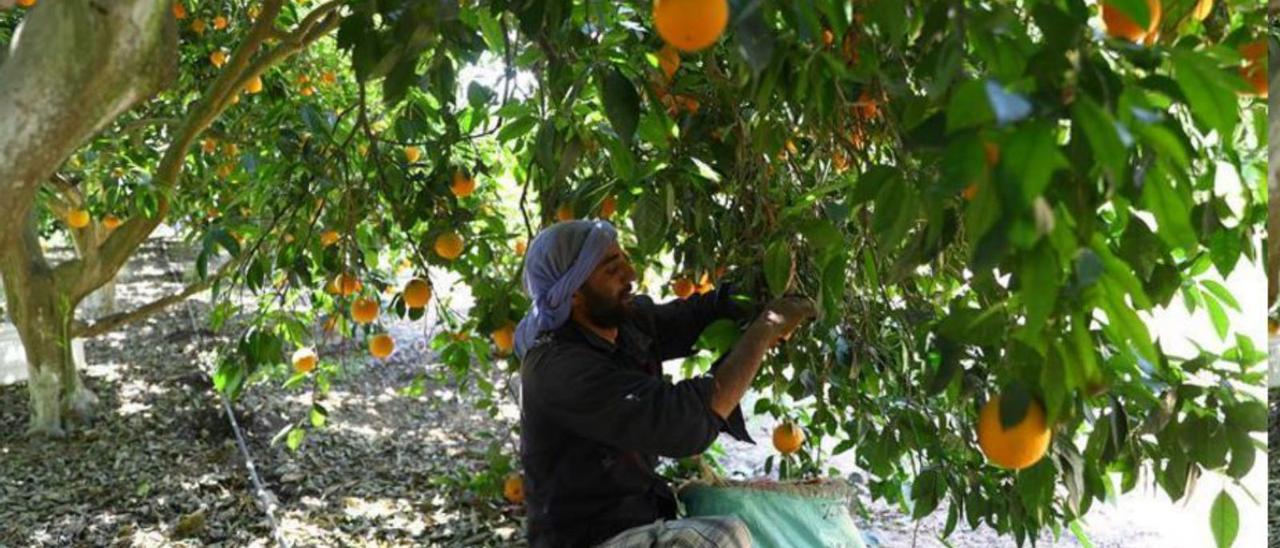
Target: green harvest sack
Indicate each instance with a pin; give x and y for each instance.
(780, 515)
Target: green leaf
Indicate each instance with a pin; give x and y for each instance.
(1250, 416)
(720, 336)
(1224, 520)
(649, 220)
(1031, 157)
(1210, 97)
(926, 491)
(1078, 531)
(1100, 129)
(1219, 317)
(1171, 208)
(1222, 294)
(778, 267)
(969, 107)
(834, 279)
(295, 438)
(1243, 456)
(895, 212)
(621, 104)
(1039, 284)
(1014, 402)
(517, 128)
(1137, 10)
(891, 17)
(319, 415)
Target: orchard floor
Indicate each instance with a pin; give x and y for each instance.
(160, 468)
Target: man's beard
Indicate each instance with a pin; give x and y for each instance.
(605, 310)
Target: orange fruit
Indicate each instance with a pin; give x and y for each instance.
(111, 222)
(219, 23)
(787, 438)
(1256, 74)
(505, 338)
(179, 11)
(669, 61)
(78, 218)
(225, 170)
(417, 293)
(328, 77)
(608, 207)
(1252, 51)
(839, 161)
(1018, 447)
(866, 105)
(209, 145)
(1120, 25)
(513, 488)
(329, 237)
(218, 58)
(970, 192)
(705, 285)
(253, 12)
(463, 184)
(302, 79)
(381, 345)
(412, 154)
(449, 245)
(232, 150)
(690, 25)
(521, 247)
(683, 288)
(828, 38)
(306, 91)
(254, 85)
(198, 27)
(364, 311)
(345, 285)
(1202, 10)
(304, 360)
(564, 212)
(992, 151)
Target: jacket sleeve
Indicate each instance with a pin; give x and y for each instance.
(590, 395)
(676, 325)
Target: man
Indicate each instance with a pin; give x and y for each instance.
(596, 411)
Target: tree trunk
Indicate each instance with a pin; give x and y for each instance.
(42, 313)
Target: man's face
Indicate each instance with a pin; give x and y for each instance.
(606, 296)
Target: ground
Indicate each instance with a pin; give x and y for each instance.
(162, 468)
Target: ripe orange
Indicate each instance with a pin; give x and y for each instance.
(198, 27)
(705, 285)
(1256, 74)
(564, 212)
(329, 237)
(78, 218)
(225, 170)
(209, 145)
(412, 154)
(219, 23)
(302, 79)
(417, 293)
(463, 184)
(970, 192)
(866, 105)
(608, 207)
(690, 25)
(1120, 25)
(513, 488)
(839, 161)
(381, 345)
(364, 311)
(669, 61)
(787, 438)
(1203, 8)
(26, 3)
(345, 285)
(449, 245)
(505, 338)
(111, 222)
(304, 360)
(683, 288)
(254, 85)
(306, 91)
(521, 247)
(1018, 447)
(1252, 51)
(179, 11)
(218, 58)
(328, 77)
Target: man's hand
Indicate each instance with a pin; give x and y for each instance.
(783, 315)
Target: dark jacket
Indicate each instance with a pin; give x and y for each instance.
(596, 416)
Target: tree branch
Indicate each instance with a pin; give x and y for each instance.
(112, 322)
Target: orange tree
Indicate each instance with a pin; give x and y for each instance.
(985, 198)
